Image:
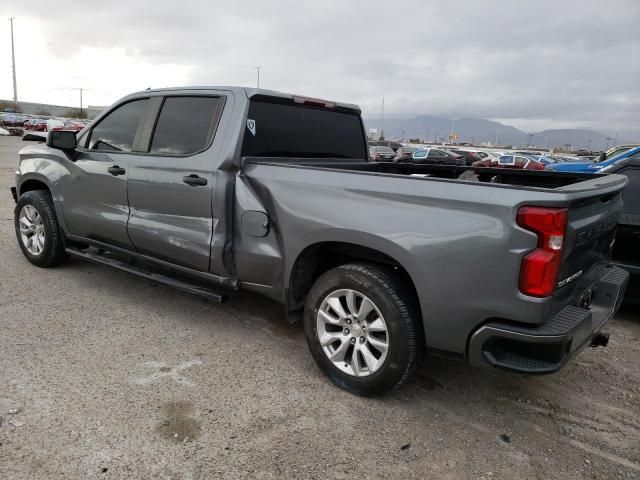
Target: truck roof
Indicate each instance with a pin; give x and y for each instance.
(249, 92)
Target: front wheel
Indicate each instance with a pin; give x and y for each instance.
(360, 329)
(37, 229)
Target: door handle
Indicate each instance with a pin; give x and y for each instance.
(194, 180)
(116, 170)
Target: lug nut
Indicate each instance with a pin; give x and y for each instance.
(353, 340)
(348, 321)
(361, 339)
(346, 331)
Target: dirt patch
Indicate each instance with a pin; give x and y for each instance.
(178, 423)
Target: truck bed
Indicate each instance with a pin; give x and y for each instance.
(530, 179)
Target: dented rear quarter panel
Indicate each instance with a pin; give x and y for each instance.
(458, 241)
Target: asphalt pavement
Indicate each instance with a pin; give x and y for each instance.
(105, 375)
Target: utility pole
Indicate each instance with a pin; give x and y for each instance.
(13, 63)
(382, 119)
(81, 114)
(258, 71)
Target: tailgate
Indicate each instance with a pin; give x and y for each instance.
(590, 234)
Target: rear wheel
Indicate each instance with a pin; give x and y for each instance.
(360, 329)
(37, 229)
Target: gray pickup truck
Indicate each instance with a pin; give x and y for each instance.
(212, 189)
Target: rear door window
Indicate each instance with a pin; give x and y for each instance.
(185, 125)
(116, 132)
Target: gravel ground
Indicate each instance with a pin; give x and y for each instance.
(104, 375)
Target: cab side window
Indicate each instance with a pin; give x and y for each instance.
(116, 132)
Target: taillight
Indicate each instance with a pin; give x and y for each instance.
(539, 269)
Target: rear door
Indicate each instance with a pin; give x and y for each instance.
(170, 186)
(95, 197)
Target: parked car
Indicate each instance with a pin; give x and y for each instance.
(615, 151)
(11, 120)
(511, 161)
(436, 156)
(38, 125)
(381, 153)
(70, 125)
(594, 167)
(381, 265)
(386, 143)
(469, 157)
(626, 250)
(404, 153)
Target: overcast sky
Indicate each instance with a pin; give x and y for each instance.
(549, 64)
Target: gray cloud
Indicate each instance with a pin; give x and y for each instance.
(561, 61)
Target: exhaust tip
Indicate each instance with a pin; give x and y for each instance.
(600, 339)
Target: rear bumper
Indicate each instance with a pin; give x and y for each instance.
(547, 348)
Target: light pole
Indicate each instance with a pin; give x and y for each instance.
(13, 63)
(382, 120)
(258, 72)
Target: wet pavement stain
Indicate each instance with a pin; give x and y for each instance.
(164, 369)
(177, 422)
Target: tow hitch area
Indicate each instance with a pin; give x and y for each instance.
(599, 339)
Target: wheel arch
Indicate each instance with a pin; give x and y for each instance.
(321, 256)
(33, 182)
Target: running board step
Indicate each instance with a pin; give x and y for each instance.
(156, 277)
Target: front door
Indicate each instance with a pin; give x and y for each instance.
(170, 187)
(95, 196)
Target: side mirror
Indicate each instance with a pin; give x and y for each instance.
(62, 140)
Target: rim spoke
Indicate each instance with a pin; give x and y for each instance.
(330, 337)
(376, 326)
(365, 308)
(25, 221)
(328, 318)
(355, 363)
(351, 301)
(336, 306)
(369, 358)
(379, 345)
(340, 352)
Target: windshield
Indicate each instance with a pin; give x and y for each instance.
(282, 130)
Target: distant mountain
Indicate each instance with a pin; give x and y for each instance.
(479, 130)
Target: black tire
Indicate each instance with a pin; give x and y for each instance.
(391, 297)
(53, 252)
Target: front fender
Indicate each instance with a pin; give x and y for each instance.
(48, 166)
